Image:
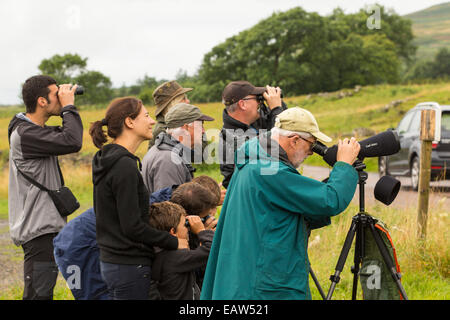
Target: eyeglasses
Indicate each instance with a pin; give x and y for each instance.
(311, 143)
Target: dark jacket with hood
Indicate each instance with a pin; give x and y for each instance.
(234, 133)
(121, 206)
(174, 271)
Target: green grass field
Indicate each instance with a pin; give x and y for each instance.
(425, 266)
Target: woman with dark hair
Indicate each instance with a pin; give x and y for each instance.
(121, 201)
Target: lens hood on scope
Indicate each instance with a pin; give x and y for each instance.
(386, 189)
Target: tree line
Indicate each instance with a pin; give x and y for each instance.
(302, 52)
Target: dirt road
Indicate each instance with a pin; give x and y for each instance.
(11, 266)
(439, 195)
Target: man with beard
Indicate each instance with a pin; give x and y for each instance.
(168, 162)
(260, 245)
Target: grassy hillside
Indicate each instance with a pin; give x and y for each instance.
(431, 27)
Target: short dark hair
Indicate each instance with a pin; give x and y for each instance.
(165, 215)
(194, 198)
(210, 184)
(34, 88)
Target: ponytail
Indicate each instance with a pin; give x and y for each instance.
(98, 135)
(118, 110)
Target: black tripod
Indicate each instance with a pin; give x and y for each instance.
(359, 222)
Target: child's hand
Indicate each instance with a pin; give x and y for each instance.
(211, 223)
(195, 223)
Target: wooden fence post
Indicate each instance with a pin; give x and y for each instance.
(427, 128)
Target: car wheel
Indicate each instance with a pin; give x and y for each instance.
(382, 167)
(415, 170)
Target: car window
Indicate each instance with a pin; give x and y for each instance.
(415, 123)
(445, 124)
(404, 123)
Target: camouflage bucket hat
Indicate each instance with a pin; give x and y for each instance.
(165, 93)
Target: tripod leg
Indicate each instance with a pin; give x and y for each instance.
(359, 253)
(313, 276)
(388, 260)
(342, 257)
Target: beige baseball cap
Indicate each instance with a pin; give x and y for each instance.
(300, 120)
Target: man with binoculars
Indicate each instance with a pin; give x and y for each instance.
(245, 114)
(33, 217)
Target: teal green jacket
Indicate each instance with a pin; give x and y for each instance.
(259, 249)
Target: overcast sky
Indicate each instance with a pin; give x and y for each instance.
(127, 39)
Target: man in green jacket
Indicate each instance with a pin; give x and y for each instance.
(260, 245)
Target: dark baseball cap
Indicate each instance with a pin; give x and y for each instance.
(237, 90)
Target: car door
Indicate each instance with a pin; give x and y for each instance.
(395, 161)
(411, 143)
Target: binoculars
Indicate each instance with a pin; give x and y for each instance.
(79, 90)
(203, 220)
(260, 98)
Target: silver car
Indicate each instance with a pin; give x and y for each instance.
(406, 161)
